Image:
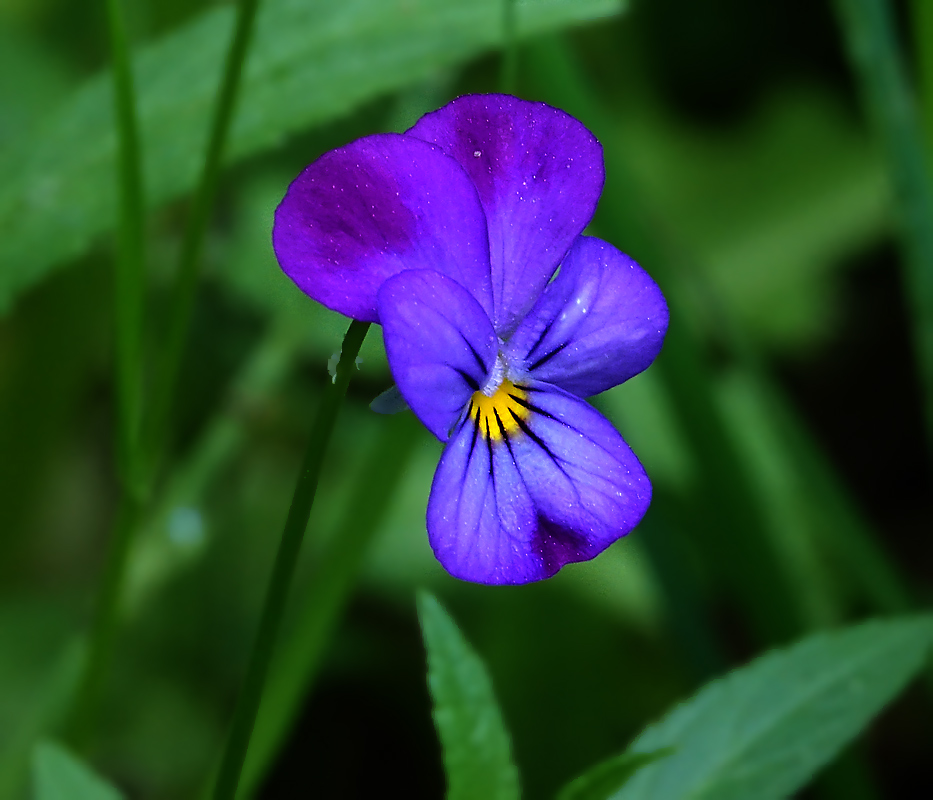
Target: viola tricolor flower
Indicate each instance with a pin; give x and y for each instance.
(463, 238)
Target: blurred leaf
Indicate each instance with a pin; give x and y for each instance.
(59, 775)
(39, 676)
(477, 752)
(764, 730)
(869, 28)
(32, 79)
(608, 776)
(768, 253)
(794, 523)
(309, 62)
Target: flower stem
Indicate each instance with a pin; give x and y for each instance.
(298, 660)
(922, 19)
(129, 271)
(128, 297)
(282, 571)
(189, 261)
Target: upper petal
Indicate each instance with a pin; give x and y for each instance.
(559, 487)
(598, 323)
(439, 342)
(539, 173)
(375, 207)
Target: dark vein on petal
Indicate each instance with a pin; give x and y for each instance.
(479, 360)
(532, 407)
(532, 435)
(470, 380)
(543, 445)
(545, 358)
(508, 443)
(540, 339)
(475, 434)
(489, 447)
(501, 426)
(585, 434)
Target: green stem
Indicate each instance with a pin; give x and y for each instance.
(332, 581)
(277, 591)
(189, 261)
(875, 54)
(128, 320)
(923, 45)
(128, 274)
(509, 75)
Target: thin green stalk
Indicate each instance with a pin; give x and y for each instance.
(509, 75)
(128, 321)
(283, 570)
(189, 261)
(128, 273)
(923, 45)
(869, 31)
(334, 577)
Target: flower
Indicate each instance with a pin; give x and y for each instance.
(450, 236)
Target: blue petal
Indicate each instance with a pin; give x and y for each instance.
(380, 205)
(601, 321)
(439, 342)
(560, 488)
(539, 173)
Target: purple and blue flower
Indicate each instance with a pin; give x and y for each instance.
(463, 238)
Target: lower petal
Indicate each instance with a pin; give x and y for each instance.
(557, 487)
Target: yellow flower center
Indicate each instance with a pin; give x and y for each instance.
(499, 416)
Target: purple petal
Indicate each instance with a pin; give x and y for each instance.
(557, 487)
(539, 173)
(598, 323)
(440, 344)
(377, 206)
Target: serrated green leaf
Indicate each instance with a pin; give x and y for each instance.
(764, 730)
(309, 62)
(475, 742)
(608, 776)
(59, 775)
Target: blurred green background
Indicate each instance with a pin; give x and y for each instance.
(782, 425)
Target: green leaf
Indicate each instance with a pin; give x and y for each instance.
(309, 62)
(59, 775)
(609, 776)
(764, 730)
(477, 753)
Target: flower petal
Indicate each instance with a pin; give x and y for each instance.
(375, 207)
(515, 507)
(440, 344)
(539, 173)
(598, 323)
